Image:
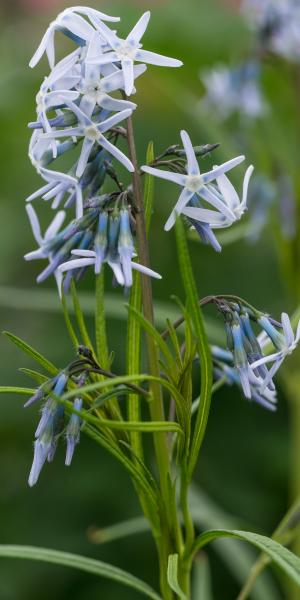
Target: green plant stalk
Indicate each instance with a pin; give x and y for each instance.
(156, 405)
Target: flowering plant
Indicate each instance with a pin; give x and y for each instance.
(84, 112)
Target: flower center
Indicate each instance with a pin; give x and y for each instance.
(92, 133)
(126, 50)
(194, 183)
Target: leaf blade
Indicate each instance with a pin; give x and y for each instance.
(77, 561)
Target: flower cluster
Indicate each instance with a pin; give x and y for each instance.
(234, 90)
(202, 192)
(77, 108)
(277, 23)
(244, 362)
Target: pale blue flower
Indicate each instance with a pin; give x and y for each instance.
(129, 50)
(93, 134)
(195, 183)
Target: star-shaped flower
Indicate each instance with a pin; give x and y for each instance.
(196, 183)
(93, 133)
(129, 50)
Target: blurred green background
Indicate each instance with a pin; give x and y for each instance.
(245, 462)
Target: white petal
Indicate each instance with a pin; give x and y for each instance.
(287, 329)
(175, 177)
(227, 166)
(139, 29)
(46, 39)
(204, 215)
(92, 12)
(84, 156)
(213, 199)
(193, 167)
(184, 198)
(39, 192)
(116, 267)
(116, 153)
(228, 191)
(77, 25)
(79, 114)
(127, 68)
(114, 104)
(55, 225)
(76, 264)
(246, 184)
(79, 202)
(114, 120)
(53, 176)
(145, 270)
(69, 132)
(157, 59)
(298, 333)
(84, 253)
(109, 35)
(35, 225)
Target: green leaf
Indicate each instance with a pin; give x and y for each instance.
(142, 426)
(119, 530)
(112, 394)
(238, 558)
(75, 561)
(283, 558)
(285, 533)
(173, 576)
(16, 390)
(41, 360)
(202, 345)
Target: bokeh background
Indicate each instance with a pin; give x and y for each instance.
(245, 465)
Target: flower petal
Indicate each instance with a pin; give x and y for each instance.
(139, 29)
(227, 166)
(174, 177)
(117, 154)
(157, 59)
(193, 167)
(183, 200)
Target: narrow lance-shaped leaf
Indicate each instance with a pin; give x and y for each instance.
(281, 556)
(75, 561)
(39, 358)
(202, 345)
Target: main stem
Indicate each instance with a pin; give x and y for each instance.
(156, 404)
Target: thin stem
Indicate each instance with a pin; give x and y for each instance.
(156, 405)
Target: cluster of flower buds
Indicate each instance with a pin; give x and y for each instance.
(103, 234)
(234, 90)
(52, 423)
(208, 200)
(78, 109)
(244, 362)
(277, 23)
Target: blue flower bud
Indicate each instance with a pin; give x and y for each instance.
(73, 432)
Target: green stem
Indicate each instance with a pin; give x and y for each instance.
(156, 404)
